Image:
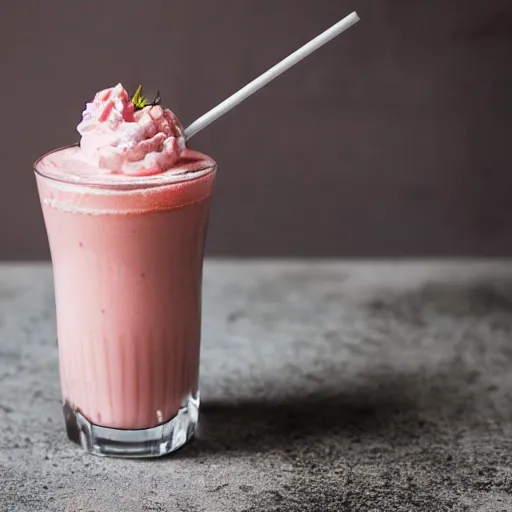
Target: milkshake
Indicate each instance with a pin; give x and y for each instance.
(126, 214)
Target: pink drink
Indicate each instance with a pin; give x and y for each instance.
(127, 254)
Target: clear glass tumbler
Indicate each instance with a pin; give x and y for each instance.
(127, 262)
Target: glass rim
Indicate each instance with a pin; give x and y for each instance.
(137, 182)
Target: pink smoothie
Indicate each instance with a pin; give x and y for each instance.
(126, 214)
(127, 270)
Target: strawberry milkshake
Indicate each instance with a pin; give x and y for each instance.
(126, 213)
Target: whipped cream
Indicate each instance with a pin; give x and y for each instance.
(117, 138)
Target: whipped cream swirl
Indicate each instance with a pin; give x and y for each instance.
(117, 138)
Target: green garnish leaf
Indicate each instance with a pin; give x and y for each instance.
(140, 101)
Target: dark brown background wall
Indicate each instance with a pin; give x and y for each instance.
(393, 140)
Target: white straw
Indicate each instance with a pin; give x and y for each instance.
(272, 73)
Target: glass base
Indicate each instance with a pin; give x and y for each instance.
(151, 442)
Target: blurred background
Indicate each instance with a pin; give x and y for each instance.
(394, 140)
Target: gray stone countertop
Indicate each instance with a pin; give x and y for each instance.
(325, 386)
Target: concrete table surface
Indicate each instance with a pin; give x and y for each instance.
(325, 386)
